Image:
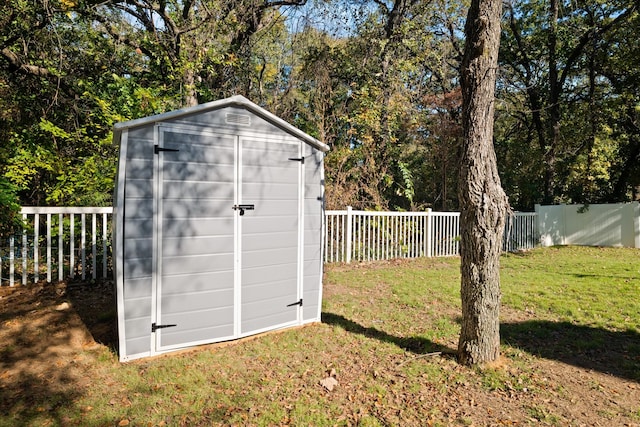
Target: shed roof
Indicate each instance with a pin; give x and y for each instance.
(234, 101)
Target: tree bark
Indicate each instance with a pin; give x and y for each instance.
(483, 203)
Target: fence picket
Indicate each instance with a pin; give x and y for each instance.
(93, 246)
(83, 244)
(60, 248)
(72, 249)
(24, 252)
(104, 246)
(11, 266)
(36, 249)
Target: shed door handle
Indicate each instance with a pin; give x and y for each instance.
(243, 208)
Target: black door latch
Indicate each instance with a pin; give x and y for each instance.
(157, 149)
(243, 208)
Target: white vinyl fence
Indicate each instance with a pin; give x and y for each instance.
(61, 243)
(370, 236)
(521, 232)
(613, 224)
(57, 243)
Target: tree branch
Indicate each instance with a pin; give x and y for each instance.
(14, 60)
(590, 35)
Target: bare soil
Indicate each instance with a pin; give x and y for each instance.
(48, 335)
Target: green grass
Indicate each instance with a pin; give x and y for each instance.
(385, 327)
(584, 285)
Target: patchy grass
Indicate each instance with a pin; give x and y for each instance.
(389, 333)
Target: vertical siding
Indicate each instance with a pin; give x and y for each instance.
(138, 239)
(313, 217)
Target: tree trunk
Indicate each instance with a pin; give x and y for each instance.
(483, 203)
(555, 89)
(189, 93)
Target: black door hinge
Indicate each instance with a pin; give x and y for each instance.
(295, 303)
(297, 159)
(157, 149)
(155, 327)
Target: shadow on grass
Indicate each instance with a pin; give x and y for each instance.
(599, 276)
(95, 303)
(45, 328)
(610, 352)
(37, 384)
(418, 345)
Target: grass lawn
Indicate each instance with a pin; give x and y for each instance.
(571, 355)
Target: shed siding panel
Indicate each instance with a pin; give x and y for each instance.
(139, 288)
(138, 345)
(139, 169)
(137, 268)
(313, 209)
(138, 239)
(177, 338)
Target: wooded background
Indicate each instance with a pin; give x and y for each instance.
(378, 81)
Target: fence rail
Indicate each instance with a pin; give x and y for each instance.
(60, 243)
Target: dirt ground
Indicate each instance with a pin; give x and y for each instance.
(46, 330)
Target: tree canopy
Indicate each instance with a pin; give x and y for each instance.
(376, 80)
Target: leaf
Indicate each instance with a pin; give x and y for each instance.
(329, 383)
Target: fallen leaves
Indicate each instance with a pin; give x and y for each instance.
(329, 382)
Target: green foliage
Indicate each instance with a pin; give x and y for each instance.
(9, 208)
(561, 101)
(408, 189)
(381, 88)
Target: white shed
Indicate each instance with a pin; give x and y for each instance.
(217, 227)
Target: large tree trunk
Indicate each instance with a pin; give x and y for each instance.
(483, 203)
(555, 89)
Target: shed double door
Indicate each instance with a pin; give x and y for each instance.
(227, 246)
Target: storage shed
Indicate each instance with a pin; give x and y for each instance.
(217, 227)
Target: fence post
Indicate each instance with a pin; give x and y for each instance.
(428, 239)
(349, 232)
